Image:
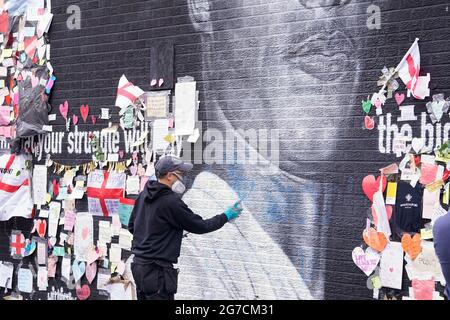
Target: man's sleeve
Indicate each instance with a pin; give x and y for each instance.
(185, 219)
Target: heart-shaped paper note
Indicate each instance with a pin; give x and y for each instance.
(412, 246)
(84, 110)
(41, 227)
(93, 255)
(94, 119)
(370, 185)
(388, 212)
(366, 105)
(64, 109)
(399, 98)
(375, 240)
(78, 269)
(120, 154)
(369, 123)
(75, 119)
(417, 144)
(91, 272)
(437, 108)
(83, 292)
(30, 246)
(367, 260)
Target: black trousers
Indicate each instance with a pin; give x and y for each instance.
(154, 281)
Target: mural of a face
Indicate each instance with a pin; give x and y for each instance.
(275, 67)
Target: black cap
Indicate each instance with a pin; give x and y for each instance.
(167, 164)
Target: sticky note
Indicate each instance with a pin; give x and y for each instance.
(426, 234)
(391, 193)
(7, 53)
(21, 46)
(2, 84)
(52, 117)
(48, 198)
(47, 128)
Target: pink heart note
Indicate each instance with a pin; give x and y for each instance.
(84, 110)
(399, 98)
(75, 119)
(391, 269)
(120, 154)
(63, 109)
(378, 103)
(94, 119)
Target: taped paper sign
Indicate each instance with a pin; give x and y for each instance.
(84, 234)
(185, 107)
(104, 189)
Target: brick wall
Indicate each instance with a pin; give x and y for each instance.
(297, 68)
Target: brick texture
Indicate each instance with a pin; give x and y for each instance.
(298, 68)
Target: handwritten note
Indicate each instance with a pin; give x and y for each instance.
(6, 274)
(391, 265)
(430, 202)
(125, 239)
(39, 184)
(42, 278)
(133, 184)
(25, 280)
(83, 236)
(157, 105)
(104, 232)
(185, 107)
(53, 218)
(69, 220)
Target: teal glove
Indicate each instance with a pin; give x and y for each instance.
(234, 211)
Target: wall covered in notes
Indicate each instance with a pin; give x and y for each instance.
(280, 87)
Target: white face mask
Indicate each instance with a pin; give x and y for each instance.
(178, 187)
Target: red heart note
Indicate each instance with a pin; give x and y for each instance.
(370, 185)
(369, 123)
(94, 119)
(41, 227)
(84, 110)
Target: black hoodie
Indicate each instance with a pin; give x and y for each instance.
(158, 220)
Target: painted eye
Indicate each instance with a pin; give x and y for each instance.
(323, 3)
